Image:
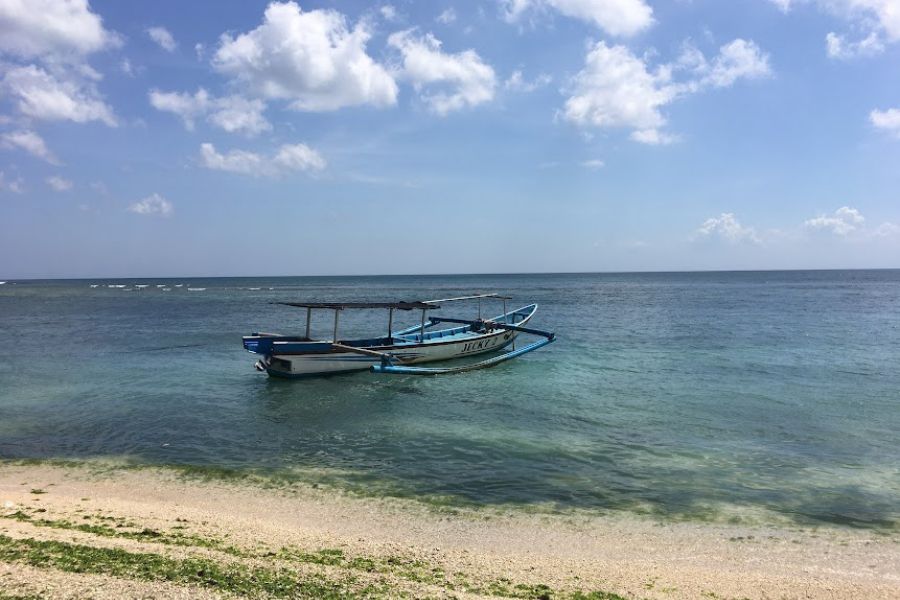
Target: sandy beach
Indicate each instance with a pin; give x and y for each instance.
(78, 532)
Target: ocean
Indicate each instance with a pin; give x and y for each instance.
(738, 396)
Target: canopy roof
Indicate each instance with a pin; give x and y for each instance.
(402, 305)
(348, 305)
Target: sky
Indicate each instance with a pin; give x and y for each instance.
(219, 138)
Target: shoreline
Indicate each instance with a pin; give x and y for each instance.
(115, 520)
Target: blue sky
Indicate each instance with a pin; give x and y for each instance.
(255, 138)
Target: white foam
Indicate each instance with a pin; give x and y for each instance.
(196, 289)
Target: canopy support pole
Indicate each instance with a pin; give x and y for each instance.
(390, 324)
(422, 333)
(337, 312)
(308, 319)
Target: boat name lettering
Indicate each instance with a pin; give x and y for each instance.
(479, 345)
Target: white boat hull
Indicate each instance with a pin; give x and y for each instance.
(304, 365)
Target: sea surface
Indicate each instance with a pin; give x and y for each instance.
(747, 395)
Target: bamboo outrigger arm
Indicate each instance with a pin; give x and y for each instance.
(388, 367)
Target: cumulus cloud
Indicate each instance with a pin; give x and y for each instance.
(593, 164)
(234, 114)
(388, 12)
(447, 17)
(16, 186)
(64, 29)
(31, 143)
(59, 184)
(727, 227)
(288, 158)
(163, 38)
(241, 115)
(615, 17)
(887, 120)
(838, 46)
(48, 42)
(886, 229)
(878, 19)
(517, 82)
(153, 205)
(188, 107)
(311, 59)
(42, 95)
(739, 59)
(617, 89)
(445, 82)
(842, 222)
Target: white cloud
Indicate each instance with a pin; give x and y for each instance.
(888, 120)
(30, 142)
(163, 38)
(727, 227)
(57, 36)
(236, 161)
(886, 229)
(184, 105)
(309, 58)
(41, 95)
(65, 29)
(152, 205)
(784, 5)
(878, 19)
(517, 82)
(739, 59)
(234, 114)
(615, 17)
(299, 157)
(289, 157)
(16, 186)
(447, 17)
(593, 164)
(838, 47)
(842, 222)
(616, 89)
(59, 184)
(237, 114)
(388, 12)
(462, 79)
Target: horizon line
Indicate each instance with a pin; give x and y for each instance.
(484, 274)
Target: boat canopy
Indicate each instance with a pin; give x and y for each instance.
(350, 305)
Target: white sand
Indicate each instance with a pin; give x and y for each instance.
(632, 556)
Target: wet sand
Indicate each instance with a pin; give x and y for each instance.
(53, 515)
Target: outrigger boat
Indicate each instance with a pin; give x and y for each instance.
(302, 356)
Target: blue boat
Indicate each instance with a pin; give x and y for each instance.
(400, 351)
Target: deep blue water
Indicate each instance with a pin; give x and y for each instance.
(772, 393)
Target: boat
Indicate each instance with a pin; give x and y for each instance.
(399, 351)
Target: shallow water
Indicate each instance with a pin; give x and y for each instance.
(686, 395)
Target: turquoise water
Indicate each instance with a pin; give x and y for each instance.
(684, 395)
